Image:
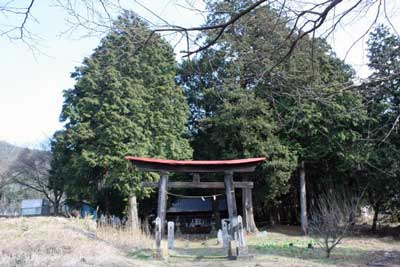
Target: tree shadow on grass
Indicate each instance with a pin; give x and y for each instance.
(289, 230)
(388, 231)
(206, 253)
(340, 255)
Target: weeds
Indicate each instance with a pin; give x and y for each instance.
(48, 241)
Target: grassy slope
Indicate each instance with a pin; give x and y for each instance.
(49, 241)
(72, 242)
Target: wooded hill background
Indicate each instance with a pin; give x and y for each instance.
(12, 192)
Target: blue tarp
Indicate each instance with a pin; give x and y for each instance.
(87, 210)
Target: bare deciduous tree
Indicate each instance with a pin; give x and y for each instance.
(31, 170)
(333, 218)
(305, 19)
(316, 18)
(4, 180)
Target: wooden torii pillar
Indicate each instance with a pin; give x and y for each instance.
(162, 200)
(230, 195)
(228, 167)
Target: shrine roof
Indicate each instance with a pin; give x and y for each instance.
(235, 165)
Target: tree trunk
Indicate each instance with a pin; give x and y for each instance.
(248, 214)
(328, 253)
(133, 217)
(107, 203)
(375, 220)
(57, 201)
(303, 199)
(56, 207)
(216, 214)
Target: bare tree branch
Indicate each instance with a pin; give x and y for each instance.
(394, 125)
(364, 84)
(31, 170)
(27, 14)
(388, 18)
(306, 18)
(367, 31)
(333, 218)
(221, 27)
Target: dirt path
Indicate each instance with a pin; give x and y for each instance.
(388, 259)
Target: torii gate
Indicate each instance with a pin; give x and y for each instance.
(228, 167)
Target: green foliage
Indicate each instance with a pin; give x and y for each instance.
(245, 101)
(125, 102)
(384, 96)
(381, 166)
(243, 127)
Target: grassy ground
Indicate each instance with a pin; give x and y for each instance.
(53, 241)
(71, 242)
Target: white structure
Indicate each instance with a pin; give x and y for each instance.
(220, 239)
(30, 207)
(171, 228)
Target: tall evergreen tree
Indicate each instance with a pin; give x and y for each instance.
(321, 132)
(124, 102)
(382, 169)
(242, 127)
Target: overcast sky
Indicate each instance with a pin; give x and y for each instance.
(31, 84)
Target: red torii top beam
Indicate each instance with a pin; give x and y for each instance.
(195, 166)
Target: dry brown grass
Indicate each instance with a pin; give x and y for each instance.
(54, 241)
(125, 239)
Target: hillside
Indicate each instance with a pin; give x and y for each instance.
(8, 155)
(11, 193)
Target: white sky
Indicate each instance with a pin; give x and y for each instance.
(31, 85)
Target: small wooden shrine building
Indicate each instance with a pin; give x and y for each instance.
(228, 167)
(197, 215)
